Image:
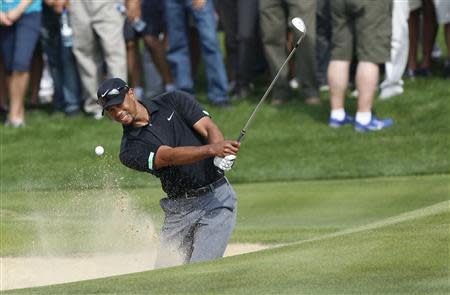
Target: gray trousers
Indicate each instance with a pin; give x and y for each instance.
(97, 39)
(197, 229)
(274, 17)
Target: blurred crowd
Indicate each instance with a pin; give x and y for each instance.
(59, 51)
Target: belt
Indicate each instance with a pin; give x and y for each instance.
(197, 192)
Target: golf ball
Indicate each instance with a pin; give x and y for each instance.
(99, 150)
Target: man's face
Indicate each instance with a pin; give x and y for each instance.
(124, 113)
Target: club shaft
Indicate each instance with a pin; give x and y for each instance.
(258, 106)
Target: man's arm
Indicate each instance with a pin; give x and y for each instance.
(14, 14)
(167, 156)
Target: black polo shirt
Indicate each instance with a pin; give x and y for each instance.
(172, 116)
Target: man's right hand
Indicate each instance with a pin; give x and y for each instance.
(225, 148)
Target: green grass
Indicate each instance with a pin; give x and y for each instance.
(405, 254)
(291, 142)
(73, 222)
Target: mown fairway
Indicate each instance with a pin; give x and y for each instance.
(352, 213)
(387, 236)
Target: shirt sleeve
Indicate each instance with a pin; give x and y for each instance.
(186, 106)
(138, 155)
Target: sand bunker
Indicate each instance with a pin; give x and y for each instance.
(23, 272)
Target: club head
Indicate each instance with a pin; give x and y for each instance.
(299, 24)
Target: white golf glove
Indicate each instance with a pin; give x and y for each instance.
(226, 163)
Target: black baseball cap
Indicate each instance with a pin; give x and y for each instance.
(112, 92)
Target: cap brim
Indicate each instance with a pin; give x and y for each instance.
(114, 101)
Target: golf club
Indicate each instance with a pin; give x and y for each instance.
(300, 26)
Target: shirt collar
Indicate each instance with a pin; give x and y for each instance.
(151, 107)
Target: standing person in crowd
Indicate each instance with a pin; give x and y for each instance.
(97, 41)
(203, 15)
(62, 63)
(3, 89)
(323, 42)
(20, 23)
(426, 8)
(174, 138)
(365, 26)
(240, 23)
(273, 21)
(149, 28)
(395, 67)
(443, 17)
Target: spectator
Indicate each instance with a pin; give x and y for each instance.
(153, 19)
(3, 89)
(273, 22)
(443, 17)
(60, 57)
(20, 22)
(323, 42)
(426, 8)
(202, 12)
(393, 83)
(97, 41)
(365, 26)
(240, 22)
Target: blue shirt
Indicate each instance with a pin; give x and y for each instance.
(7, 5)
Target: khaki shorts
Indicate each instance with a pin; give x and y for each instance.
(362, 28)
(442, 11)
(415, 4)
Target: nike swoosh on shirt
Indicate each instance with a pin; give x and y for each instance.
(170, 118)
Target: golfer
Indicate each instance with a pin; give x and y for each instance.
(173, 138)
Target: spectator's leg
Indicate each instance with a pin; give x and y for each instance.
(229, 17)
(178, 54)
(108, 26)
(447, 40)
(338, 75)
(26, 37)
(3, 87)
(134, 63)
(206, 25)
(273, 23)
(51, 45)
(87, 54)
(71, 85)
(393, 83)
(323, 41)
(367, 74)
(18, 85)
(413, 28)
(306, 65)
(429, 35)
(158, 52)
(247, 36)
(37, 66)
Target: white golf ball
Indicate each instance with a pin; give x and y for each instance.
(99, 150)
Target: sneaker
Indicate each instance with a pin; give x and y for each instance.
(410, 74)
(15, 124)
(374, 125)
(447, 70)
(423, 72)
(333, 123)
(389, 92)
